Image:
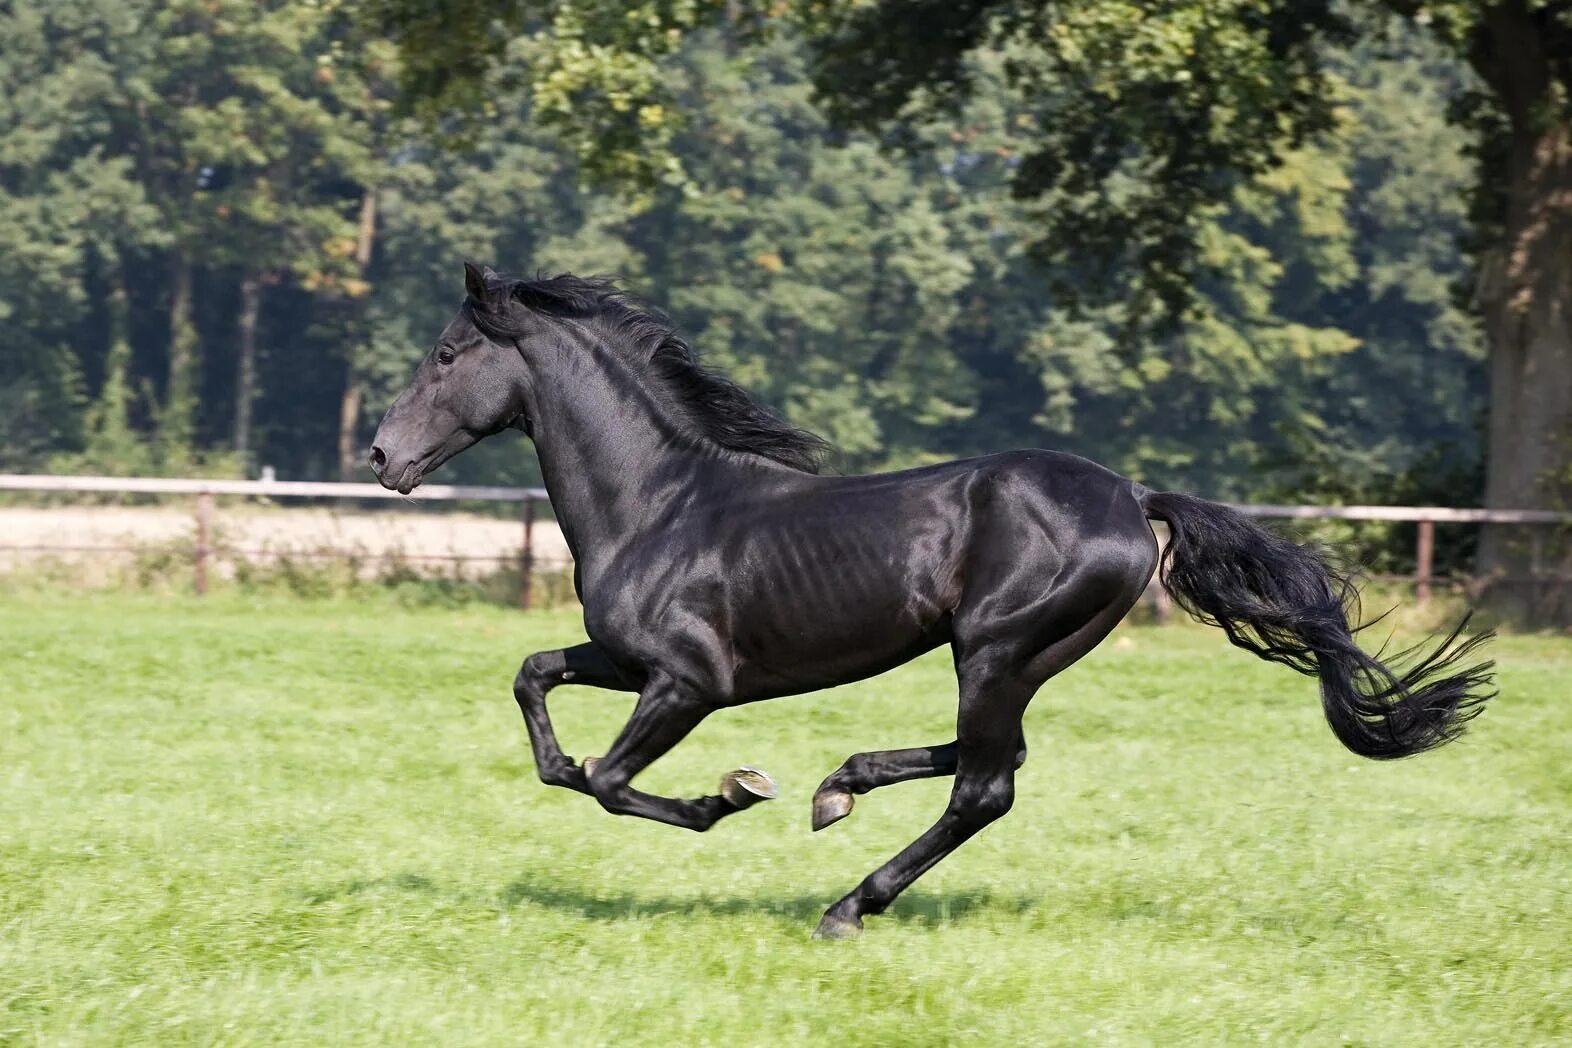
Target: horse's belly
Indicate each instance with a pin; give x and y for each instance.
(780, 658)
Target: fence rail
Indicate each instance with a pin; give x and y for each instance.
(204, 491)
(1425, 517)
(1434, 514)
(259, 488)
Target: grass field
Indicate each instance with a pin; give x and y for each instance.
(317, 823)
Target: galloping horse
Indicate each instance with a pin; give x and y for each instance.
(717, 567)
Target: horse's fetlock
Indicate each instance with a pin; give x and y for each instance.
(554, 774)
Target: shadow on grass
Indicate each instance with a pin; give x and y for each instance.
(916, 907)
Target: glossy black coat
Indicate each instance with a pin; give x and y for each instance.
(717, 568)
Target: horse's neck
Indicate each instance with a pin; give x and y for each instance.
(611, 455)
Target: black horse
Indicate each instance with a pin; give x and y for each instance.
(717, 567)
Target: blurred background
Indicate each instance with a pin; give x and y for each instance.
(1261, 252)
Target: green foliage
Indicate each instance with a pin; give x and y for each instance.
(111, 444)
(901, 302)
(589, 68)
(802, 263)
(68, 213)
(260, 129)
(1327, 356)
(1145, 116)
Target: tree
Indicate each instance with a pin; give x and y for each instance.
(266, 135)
(1148, 117)
(73, 222)
(1190, 97)
(798, 264)
(901, 301)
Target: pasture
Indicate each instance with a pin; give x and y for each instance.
(270, 822)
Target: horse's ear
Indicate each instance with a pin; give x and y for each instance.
(477, 282)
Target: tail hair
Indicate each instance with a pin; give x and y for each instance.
(1289, 603)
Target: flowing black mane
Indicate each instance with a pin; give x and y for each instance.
(712, 404)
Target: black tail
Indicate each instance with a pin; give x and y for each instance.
(1286, 603)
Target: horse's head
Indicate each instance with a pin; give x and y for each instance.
(468, 387)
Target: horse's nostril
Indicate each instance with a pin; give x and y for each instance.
(379, 460)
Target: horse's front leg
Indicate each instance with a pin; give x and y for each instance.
(664, 717)
(585, 664)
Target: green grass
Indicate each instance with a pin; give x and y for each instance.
(317, 823)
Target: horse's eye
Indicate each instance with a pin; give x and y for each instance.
(444, 356)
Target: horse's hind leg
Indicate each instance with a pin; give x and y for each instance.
(984, 790)
(865, 772)
(996, 686)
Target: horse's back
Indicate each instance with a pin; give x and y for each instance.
(825, 580)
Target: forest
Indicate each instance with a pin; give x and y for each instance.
(227, 234)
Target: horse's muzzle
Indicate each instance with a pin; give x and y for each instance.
(401, 478)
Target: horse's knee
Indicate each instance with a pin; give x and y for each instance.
(527, 677)
(536, 675)
(609, 789)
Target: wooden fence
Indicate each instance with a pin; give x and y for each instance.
(1426, 517)
(204, 491)
(529, 499)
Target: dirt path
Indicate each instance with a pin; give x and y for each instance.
(83, 534)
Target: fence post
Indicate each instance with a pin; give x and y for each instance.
(204, 535)
(1426, 559)
(527, 561)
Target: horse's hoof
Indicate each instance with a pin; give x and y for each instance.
(589, 766)
(833, 927)
(830, 807)
(746, 787)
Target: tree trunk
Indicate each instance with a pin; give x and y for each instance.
(178, 422)
(112, 444)
(246, 367)
(350, 458)
(1526, 293)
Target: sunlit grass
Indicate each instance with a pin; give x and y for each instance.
(317, 823)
